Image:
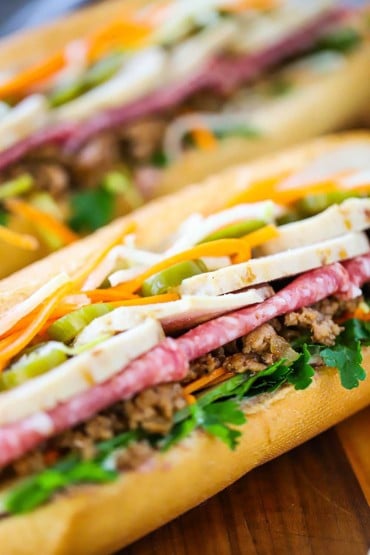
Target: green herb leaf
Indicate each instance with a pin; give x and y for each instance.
(159, 159)
(340, 40)
(301, 376)
(241, 130)
(40, 488)
(121, 441)
(348, 361)
(91, 209)
(355, 330)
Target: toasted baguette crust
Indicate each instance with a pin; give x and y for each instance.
(100, 519)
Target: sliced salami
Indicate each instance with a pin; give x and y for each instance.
(56, 134)
(303, 291)
(165, 363)
(359, 269)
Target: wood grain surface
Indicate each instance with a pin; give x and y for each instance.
(307, 502)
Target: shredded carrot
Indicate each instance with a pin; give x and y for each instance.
(190, 399)
(288, 196)
(20, 240)
(359, 314)
(22, 81)
(129, 34)
(204, 139)
(256, 238)
(115, 298)
(202, 382)
(13, 344)
(221, 247)
(223, 378)
(39, 218)
(83, 275)
(261, 189)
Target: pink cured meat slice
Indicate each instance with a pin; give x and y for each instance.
(50, 135)
(359, 269)
(165, 363)
(303, 291)
(221, 74)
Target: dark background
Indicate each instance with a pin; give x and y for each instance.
(18, 14)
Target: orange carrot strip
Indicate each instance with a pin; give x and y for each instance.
(32, 75)
(20, 240)
(261, 189)
(129, 34)
(12, 345)
(221, 247)
(202, 382)
(204, 138)
(256, 238)
(115, 298)
(190, 399)
(36, 216)
(288, 196)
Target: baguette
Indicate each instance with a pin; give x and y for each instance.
(305, 112)
(99, 519)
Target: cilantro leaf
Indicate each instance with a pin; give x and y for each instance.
(355, 330)
(213, 419)
(301, 376)
(216, 418)
(40, 488)
(265, 381)
(348, 361)
(91, 209)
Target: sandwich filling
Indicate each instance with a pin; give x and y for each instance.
(97, 378)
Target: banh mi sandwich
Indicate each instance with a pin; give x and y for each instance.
(148, 366)
(159, 95)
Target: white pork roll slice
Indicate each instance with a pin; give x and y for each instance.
(79, 373)
(275, 266)
(174, 316)
(352, 215)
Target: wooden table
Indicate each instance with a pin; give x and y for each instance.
(307, 502)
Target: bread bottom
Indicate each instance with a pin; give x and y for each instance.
(100, 519)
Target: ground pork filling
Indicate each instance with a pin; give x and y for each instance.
(152, 410)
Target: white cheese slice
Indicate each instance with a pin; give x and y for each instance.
(275, 266)
(174, 315)
(352, 215)
(79, 373)
(142, 73)
(27, 116)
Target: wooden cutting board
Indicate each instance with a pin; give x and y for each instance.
(307, 502)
